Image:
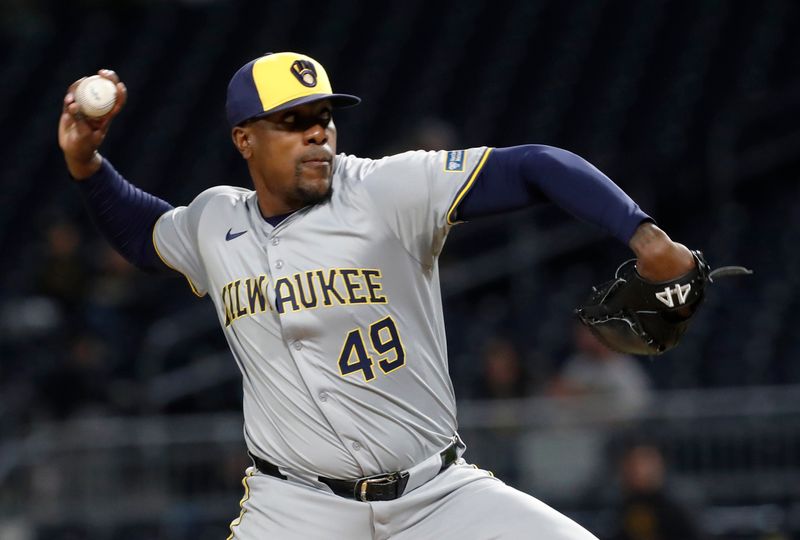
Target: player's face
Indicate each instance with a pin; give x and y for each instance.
(292, 155)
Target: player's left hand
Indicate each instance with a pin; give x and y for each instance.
(647, 306)
(658, 258)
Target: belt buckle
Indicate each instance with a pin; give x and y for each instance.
(382, 479)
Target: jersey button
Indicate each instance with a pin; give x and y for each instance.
(323, 397)
(356, 446)
(275, 241)
(298, 345)
(279, 264)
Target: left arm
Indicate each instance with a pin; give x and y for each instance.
(522, 176)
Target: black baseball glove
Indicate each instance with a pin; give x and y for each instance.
(632, 315)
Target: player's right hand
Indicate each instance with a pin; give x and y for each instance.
(79, 137)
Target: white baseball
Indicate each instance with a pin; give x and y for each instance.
(96, 96)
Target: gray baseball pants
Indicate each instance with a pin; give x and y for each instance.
(461, 503)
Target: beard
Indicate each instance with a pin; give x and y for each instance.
(307, 193)
(308, 197)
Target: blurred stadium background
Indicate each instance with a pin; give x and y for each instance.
(119, 403)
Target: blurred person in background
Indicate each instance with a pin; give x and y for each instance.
(503, 374)
(115, 302)
(593, 387)
(80, 382)
(595, 370)
(649, 511)
(64, 271)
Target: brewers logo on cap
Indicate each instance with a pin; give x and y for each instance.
(276, 82)
(305, 73)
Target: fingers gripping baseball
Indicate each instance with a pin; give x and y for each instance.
(80, 135)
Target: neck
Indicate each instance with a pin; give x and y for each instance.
(271, 206)
(270, 203)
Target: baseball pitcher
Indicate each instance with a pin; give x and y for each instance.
(326, 285)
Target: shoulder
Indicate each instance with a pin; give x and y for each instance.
(212, 202)
(350, 166)
(220, 197)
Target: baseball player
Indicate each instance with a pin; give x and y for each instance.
(326, 286)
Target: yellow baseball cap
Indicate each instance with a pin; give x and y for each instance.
(276, 82)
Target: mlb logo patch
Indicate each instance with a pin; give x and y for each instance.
(455, 161)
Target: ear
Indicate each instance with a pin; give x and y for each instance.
(242, 140)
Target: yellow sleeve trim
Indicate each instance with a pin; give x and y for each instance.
(160, 256)
(466, 187)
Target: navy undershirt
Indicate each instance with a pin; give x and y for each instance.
(276, 220)
(125, 215)
(523, 176)
(512, 178)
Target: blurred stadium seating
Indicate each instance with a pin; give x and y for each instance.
(692, 107)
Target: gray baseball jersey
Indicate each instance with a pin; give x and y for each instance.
(334, 316)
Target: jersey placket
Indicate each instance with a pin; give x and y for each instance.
(278, 252)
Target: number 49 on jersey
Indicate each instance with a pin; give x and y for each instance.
(383, 341)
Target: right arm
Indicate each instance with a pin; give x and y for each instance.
(121, 211)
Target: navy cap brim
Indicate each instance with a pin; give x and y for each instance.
(339, 101)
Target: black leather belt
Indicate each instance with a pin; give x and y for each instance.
(381, 487)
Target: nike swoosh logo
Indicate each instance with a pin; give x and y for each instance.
(230, 236)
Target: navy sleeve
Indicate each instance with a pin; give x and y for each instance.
(522, 176)
(125, 215)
